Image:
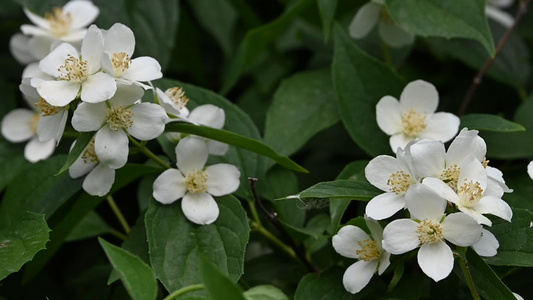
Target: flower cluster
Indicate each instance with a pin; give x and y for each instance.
(448, 193)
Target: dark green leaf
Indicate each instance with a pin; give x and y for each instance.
(360, 81)
(489, 123)
(306, 104)
(217, 284)
(12, 162)
(21, 241)
(89, 226)
(516, 240)
(327, 12)
(338, 189)
(265, 292)
(176, 244)
(237, 140)
(449, 19)
(136, 275)
(81, 143)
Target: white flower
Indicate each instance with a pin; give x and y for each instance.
(372, 13)
(469, 193)
(428, 229)
(119, 43)
(487, 245)
(117, 118)
(76, 74)
(495, 12)
(173, 100)
(414, 116)
(65, 23)
(530, 169)
(518, 297)
(100, 176)
(353, 242)
(394, 176)
(20, 49)
(195, 183)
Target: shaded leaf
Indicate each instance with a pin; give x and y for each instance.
(265, 292)
(343, 189)
(81, 143)
(217, 284)
(327, 12)
(490, 123)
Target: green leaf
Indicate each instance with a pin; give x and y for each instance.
(12, 161)
(236, 140)
(89, 226)
(21, 241)
(306, 104)
(217, 284)
(265, 292)
(360, 81)
(489, 123)
(176, 244)
(448, 19)
(327, 12)
(338, 189)
(516, 240)
(136, 275)
(81, 143)
(255, 42)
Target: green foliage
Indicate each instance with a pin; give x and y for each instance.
(489, 123)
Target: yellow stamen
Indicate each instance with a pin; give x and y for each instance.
(450, 176)
(74, 69)
(119, 117)
(429, 232)
(177, 95)
(399, 182)
(121, 62)
(470, 193)
(369, 250)
(34, 122)
(89, 155)
(196, 182)
(59, 22)
(485, 162)
(413, 122)
(45, 108)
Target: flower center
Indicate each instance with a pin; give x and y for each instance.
(450, 176)
(59, 22)
(470, 193)
(121, 62)
(369, 250)
(46, 108)
(119, 117)
(74, 69)
(429, 232)
(89, 155)
(485, 162)
(34, 122)
(196, 182)
(399, 182)
(413, 122)
(177, 95)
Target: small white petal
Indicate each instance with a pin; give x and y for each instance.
(18, 45)
(441, 126)
(99, 181)
(436, 260)
(119, 38)
(200, 208)
(400, 236)
(428, 157)
(394, 36)
(41, 45)
(58, 93)
(461, 230)
(530, 169)
(399, 140)
(487, 246)
(217, 148)
(111, 147)
(148, 121)
(472, 170)
(384, 206)
(35, 150)
(36, 19)
(467, 142)
(442, 189)
(222, 179)
(388, 115)
(420, 96)
(80, 167)
(16, 125)
(53, 61)
(379, 171)
(345, 242)
(208, 115)
(375, 229)
(126, 95)
(423, 203)
(52, 126)
(89, 116)
(518, 297)
(358, 275)
(384, 262)
(92, 48)
(503, 18)
(365, 19)
(83, 12)
(495, 206)
(169, 186)
(191, 154)
(98, 88)
(143, 68)
(496, 177)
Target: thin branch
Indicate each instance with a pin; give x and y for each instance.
(522, 10)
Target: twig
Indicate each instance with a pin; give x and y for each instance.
(522, 10)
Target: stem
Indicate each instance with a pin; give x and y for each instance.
(277, 242)
(386, 53)
(119, 234)
(184, 290)
(118, 213)
(522, 10)
(142, 148)
(461, 257)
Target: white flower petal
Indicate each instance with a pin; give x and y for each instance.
(384, 262)
(222, 179)
(399, 140)
(119, 38)
(52, 126)
(40, 46)
(217, 148)
(400, 236)
(33, 70)
(384, 206)
(169, 186)
(36, 19)
(82, 12)
(80, 167)
(518, 297)
(143, 68)
(442, 189)
(423, 203)
(388, 115)
(375, 229)
(428, 157)
(503, 18)
(495, 206)
(92, 48)
(436, 260)
(56, 58)
(500, 3)
(441, 126)
(35, 150)
(530, 169)
(466, 143)
(89, 116)
(16, 125)
(476, 215)
(18, 45)
(461, 230)
(58, 93)
(34, 31)
(472, 170)
(420, 96)
(495, 176)
(99, 181)
(358, 275)
(208, 115)
(487, 246)
(191, 154)
(98, 88)
(200, 208)
(365, 19)
(345, 242)
(111, 147)
(148, 121)
(379, 171)
(394, 36)
(126, 95)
